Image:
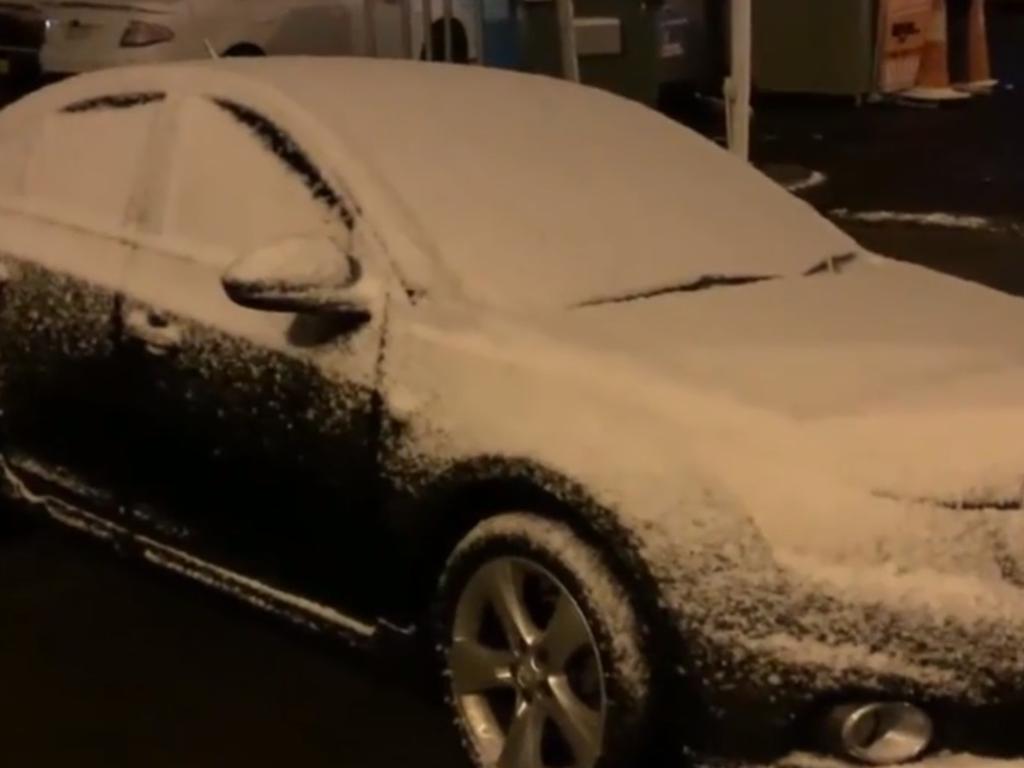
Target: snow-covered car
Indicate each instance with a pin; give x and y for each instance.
(81, 37)
(654, 455)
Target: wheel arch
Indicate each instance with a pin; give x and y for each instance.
(467, 493)
(473, 491)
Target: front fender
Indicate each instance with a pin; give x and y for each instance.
(466, 408)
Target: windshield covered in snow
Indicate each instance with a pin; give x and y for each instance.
(533, 191)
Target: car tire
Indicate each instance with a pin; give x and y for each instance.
(541, 649)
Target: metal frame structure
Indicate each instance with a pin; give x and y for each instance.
(737, 86)
(566, 31)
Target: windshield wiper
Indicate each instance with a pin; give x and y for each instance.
(833, 264)
(702, 283)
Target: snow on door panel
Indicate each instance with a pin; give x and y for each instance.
(265, 460)
(65, 252)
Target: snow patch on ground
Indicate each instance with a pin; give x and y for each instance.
(937, 219)
(940, 760)
(813, 180)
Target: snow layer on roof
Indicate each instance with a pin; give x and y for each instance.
(543, 192)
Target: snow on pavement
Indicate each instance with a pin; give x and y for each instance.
(940, 760)
(937, 219)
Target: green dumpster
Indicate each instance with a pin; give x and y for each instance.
(811, 46)
(617, 42)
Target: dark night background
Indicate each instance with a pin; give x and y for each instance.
(108, 663)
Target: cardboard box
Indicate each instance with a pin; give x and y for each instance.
(903, 25)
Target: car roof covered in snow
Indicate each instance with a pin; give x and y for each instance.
(534, 189)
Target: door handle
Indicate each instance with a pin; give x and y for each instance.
(153, 330)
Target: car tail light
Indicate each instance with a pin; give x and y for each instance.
(142, 33)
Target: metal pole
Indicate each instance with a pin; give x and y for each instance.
(738, 85)
(567, 34)
(370, 14)
(428, 40)
(407, 29)
(448, 13)
(481, 31)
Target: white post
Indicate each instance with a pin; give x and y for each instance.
(427, 21)
(448, 12)
(481, 31)
(738, 84)
(567, 38)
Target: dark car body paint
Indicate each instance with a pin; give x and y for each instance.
(266, 465)
(60, 390)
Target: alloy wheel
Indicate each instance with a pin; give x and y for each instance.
(525, 670)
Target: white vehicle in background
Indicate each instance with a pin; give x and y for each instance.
(87, 35)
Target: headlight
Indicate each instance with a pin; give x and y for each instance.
(879, 733)
(142, 33)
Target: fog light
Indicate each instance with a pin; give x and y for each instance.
(879, 733)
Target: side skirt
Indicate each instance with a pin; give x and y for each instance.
(298, 610)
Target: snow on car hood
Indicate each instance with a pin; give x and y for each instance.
(911, 381)
(535, 191)
(893, 471)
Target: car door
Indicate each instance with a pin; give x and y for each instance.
(73, 171)
(256, 440)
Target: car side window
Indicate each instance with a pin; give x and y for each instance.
(239, 182)
(87, 157)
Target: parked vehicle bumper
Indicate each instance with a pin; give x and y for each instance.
(768, 691)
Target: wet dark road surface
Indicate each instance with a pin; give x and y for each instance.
(105, 662)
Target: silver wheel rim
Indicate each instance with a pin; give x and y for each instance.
(525, 670)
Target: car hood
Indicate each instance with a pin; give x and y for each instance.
(875, 447)
(908, 383)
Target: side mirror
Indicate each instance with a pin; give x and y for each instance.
(297, 275)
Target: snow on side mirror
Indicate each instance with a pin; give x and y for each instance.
(297, 275)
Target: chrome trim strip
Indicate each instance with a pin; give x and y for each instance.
(288, 605)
